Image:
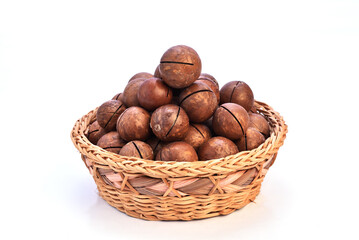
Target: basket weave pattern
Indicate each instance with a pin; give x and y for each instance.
(156, 190)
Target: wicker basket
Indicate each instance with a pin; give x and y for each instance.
(157, 190)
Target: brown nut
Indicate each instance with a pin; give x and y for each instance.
(180, 66)
(154, 93)
(169, 123)
(156, 145)
(217, 147)
(206, 76)
(237, 92)
(197, 135)
(211, 85)
(129, 95)
(141, 75)
(157, 72)
(251, 140)
(137, 149)
(111, 142)
(199, 102)
(134, 124)
(108, 113)
(118, 97)
(258, 122)
(231, 121)
(95, 132)
(177, 151)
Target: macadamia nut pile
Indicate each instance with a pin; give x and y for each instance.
(179, 114)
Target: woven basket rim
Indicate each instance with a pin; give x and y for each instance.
(155, 168)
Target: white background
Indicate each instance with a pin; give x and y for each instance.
(60, 59)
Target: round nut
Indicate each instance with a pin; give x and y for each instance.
(154, 93)
(206, 76)
(199, 102)
(95, 132)
(169, 123)
(144, 75)
(177, 151)
(258, 122)
(231, 121)
(212, 85)
(108, 113)
(180, 66)
(111, 142)
(118, 97)
(251, 140)
(137, 149)
(129, 95)
(217, 147)
(237, 92)
(134, 124)
(197, 135)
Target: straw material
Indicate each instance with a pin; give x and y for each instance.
(157, 190)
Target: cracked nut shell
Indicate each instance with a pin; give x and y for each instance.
(144, 75)
(237, 92)
(197, 135)
(95, 132)
(180, 66)
(111, 142)
(134, 124)
(251, 140)
(231, 121)
(169, 123)
(137, 149)
(199, 102)
(154, 93)
(178, 152)
(217, 147)
(258, 122)
(129, 95)
(108, 113)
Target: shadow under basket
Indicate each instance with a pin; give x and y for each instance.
(158, 190)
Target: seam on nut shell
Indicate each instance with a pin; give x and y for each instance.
(138, 150)
(113, 115)
(112, 147)
(234, 118)
(230, 99)
(92, 132)
(245, 141)
(203, 90)
(174, 122)
(197, 129)
(177, 62)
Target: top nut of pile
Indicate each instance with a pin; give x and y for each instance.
(180, 66)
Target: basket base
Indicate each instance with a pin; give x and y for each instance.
(192, 207)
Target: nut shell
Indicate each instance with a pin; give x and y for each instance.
(134, 124)
(111, 142)
(231, 121)
(199, 102)
(237, 92)
(217, 147)
(251, 140)
(108, 113)
(129, 95)
(118, 97)
(197, 135)
(154, 93)
(156, 145)
(206, 76)
(141, 75)
(258, 122)
(180, 66)
(95, 132)
(169, 123)
(177, 151)
(137, 149)
(212, 85)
